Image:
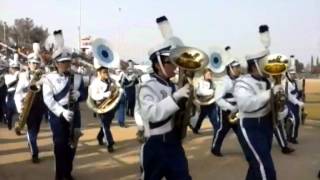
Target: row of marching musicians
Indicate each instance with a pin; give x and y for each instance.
(258, 100)
(162, 105)
(57, 94)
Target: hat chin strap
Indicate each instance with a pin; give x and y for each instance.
(231, 70)
(161, 65)
(258, 68)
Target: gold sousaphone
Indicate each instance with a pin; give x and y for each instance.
(105, 56)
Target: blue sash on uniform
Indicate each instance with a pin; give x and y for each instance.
(63, 92)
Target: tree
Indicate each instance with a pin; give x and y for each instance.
(299, 66)
(23, 33)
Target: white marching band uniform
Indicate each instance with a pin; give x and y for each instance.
(11, 81)
(227, 87)
(137, 113)
(204, 88)
(156, 104)
(53, 84)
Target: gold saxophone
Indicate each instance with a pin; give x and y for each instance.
(28, 101)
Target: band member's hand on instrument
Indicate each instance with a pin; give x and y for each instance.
(107, 94)
(75, 94)
(67, 114)
(277, 88)
(233, 110)
(301, 104)
(283, 114)
(183, 92)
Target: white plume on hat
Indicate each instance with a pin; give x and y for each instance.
(265, 36)
(292, 64)
(164, 27)
(34, 57)
(58, 44)
(15, 61)
(16, 57)
(60, 53)
(170, 41)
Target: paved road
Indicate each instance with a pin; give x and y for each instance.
(95, 163)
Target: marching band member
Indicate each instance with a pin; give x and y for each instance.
(280, 134)
(162, 155)
(129, 85)
(62, 92)
(11, 81)
(227, 105)
(206, 88)
(137, 113)
(100, 90)
(252, 94)
(3, 90)
(121, 109)
(294, 104)
(37, 107)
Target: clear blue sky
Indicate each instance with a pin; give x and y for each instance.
(130, 24)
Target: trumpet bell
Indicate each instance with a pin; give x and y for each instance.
(189, 58)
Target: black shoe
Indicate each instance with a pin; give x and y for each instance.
(35, 159)
(100, 141)
(9, 126)
(17, 131)
(319, 174)
(123, 125)
(194, 130)
(110, 149)
(216, 153)
(69, 177)
(293, 141)
(287, 150)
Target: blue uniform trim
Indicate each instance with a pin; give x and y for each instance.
(63, 92)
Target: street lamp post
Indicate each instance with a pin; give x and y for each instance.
(4, 32)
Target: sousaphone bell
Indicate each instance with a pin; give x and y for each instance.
(105, 56)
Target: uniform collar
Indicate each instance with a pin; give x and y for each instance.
(161, 80)
(258, 78)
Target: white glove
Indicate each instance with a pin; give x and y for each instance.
(301, 104)
(75, 94)
(67, 114)
(282, 114)
(277, 88)
(234, 109)
(107, 94)
(183, 92)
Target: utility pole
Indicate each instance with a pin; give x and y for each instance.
(79, 28)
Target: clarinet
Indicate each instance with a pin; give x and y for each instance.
(71, 107)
